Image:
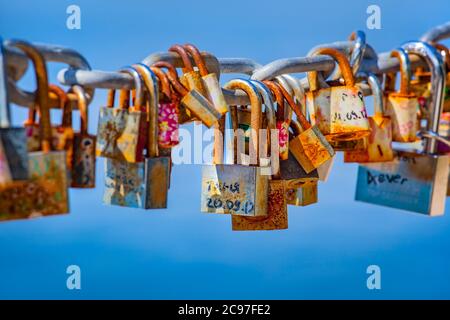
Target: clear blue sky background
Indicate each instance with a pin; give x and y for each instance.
(180, 252)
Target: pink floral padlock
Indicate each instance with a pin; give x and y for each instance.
(168, 112)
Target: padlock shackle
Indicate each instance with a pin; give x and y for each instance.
(358, 50)
(139, 90)
(64, 105)
(297, 110)
(446, 54)
(290, 84)
(405, 70)
(342, 62)
(278, 95)
(172, 75)
(82, 108)
(184, 57)
(255, 112)
(41, 91)
(377, 91)
(198, 59)
(150, 81)
(163, 82)
(438, 82)
(267, 100)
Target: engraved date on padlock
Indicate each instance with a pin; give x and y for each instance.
(349, 116)
(237, 206)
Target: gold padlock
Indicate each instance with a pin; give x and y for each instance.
(338, 111)
(403, 105)
(379, 142)
(199, 106)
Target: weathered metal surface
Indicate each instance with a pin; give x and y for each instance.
(294, 175)
(120, 134)
(378, 143)
(83, 166)
(277, 217)
(403, 112)
(413, 182)
(137, 185)
(234, 189)
(359, 144)
(5, 173)
(303, 196)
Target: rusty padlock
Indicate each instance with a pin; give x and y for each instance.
(210, 81)
(141, 185)
(45, 192)
(379, 142)
(13, 153)
(277, 217)
(237, 189)
(83, 159)
(338, 111)
(199, 106)
(310, 148)
(403, 105)
(122, 132)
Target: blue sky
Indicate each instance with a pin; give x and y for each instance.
(180, 252)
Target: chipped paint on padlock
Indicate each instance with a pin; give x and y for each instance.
(122, 132)
(338, 111)
(276, 218)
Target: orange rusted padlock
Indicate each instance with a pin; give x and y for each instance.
(310, 148)
(403, 105)
(197, 104)
(379, 142)
(210, 81)
(338, 111)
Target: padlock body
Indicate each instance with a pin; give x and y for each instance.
(303, 196)
(121, 134)
(15, 152)
(339, 112)
(351, 145)
(137, 185)
(412, 181)
(311, 149)
(379, 143)
(234, 189)
(44, 193)
(168, 134)
(403, 110)
(200, 108)
(294, 175)
(276, 219)
(83, 161)
(283, 139)
(214, 93)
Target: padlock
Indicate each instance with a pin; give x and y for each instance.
(379, 142)
(277, 217)
(199, 106)
(190, 79)
(83, 159)
(444, 131)
(402, 106)
(210, 81)
(237, 189)
(46, 191)
(421, 84)
(338, 111)
(168, 125)
(413, 181)
(13, 155)
(145, 184)
(283, 119)
(122, 132)
(303, 196)
(310, 148)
